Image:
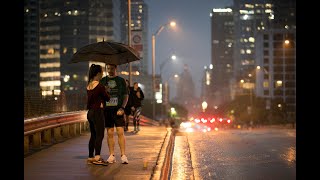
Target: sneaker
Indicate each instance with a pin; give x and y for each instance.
(111, 159)
(124, 159)
(138, 128)
(90, 160)
(100, 162)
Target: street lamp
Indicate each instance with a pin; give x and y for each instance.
(173, 57)
(172, 24)
(204, 106)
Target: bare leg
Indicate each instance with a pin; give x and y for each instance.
(121, 140)
(126, 122)
(110, 140)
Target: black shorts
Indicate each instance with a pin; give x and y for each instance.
(127, 110)
(112, 119)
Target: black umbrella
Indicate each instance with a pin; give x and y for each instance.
(108, 52)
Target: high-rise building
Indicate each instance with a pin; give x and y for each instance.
(250, 17)
(276, 69)
(139, 35)
(276, 60)
(31, 44)
(66, 26)
(185, 93)
(222, 33)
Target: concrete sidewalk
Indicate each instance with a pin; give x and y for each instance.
(67, 160)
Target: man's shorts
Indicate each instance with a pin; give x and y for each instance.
(127, 110)
(112, 119)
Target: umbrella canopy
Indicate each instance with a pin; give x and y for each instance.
(107, 52)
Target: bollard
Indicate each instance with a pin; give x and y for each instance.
(36, 140)
(65, 131)
(78, 128)
(72, 130)
(46, 136)
(57, 134)
(26, 144)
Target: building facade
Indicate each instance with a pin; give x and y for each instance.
(66, 26)
(31, 44)
(221, 68)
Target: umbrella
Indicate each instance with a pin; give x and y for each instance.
(108, 52)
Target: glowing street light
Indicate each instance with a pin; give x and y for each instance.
(204, 106)
(171, 24)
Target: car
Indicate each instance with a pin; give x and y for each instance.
(206, 123)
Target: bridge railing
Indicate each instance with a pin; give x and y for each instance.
(50, 129)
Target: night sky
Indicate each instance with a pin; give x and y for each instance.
(189, 41)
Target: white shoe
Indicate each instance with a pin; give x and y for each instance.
(111, 159)
(124, 159)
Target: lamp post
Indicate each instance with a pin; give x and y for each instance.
(129, 38)
(165, 96)
(286, 44)
(172, 24)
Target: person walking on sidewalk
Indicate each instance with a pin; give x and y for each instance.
(96, 98)
(127, 109)
(137, 96)
(114, 111)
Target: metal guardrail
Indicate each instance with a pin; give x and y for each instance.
(53, 128)
(47, 130)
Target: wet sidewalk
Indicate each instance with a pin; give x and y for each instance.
(67, 160)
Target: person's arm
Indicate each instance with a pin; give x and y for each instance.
(141, 94)
(105, 93)
(125, 95)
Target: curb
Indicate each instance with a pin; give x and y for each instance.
(167, 166)
(162, 166)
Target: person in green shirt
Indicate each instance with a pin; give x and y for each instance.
(114, 111)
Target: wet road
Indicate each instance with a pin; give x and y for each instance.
(239, 154)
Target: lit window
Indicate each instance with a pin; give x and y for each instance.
(248, 51)
(74, 50)
(271, 16)
(245, 17)
(268, 5)
(51, 51)
(249, 6)
(242, 51)
(265, 84)
(268, 11)
(278, 83)
(64, 50)
(251, 39)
